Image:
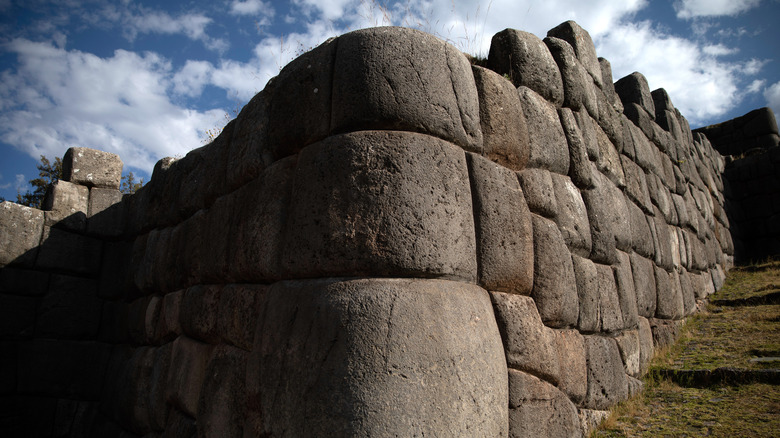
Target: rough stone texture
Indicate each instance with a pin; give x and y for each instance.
(504, 233)
(583, 47)
(528, 62)
(608, 218)
(539, 192)
(529, 345)
(189, 360)
(249, 151)
(670, 300)
(629, 345)
(66, 205)
(71, 309)
(633, 89)
(537, 408)
(641, 235)
(105, 216)
(610, 319)
(578, 88)
(92, 168)
(239, 310)
(590, 419)
(608, 161)
(62, 250)
(579, 166)
(504, 132)
(572, 217)
(624, 280)
(548, 147)
(555, 292)
(20, 234)
(360, 207)
(199, 313)
(665, 332)
(392, 356)
(221, 408)
(607, 383)
(391, 78)
(586, 279)
(636, 184)
(570, 346)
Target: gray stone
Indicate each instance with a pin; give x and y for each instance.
(189, 360)
(607, 383)
(641, 236)
(92, 168)
(199, 313)
(572, 217)
(71, 309)
(629, 347)
(570, 346)
(378, 357)
(579, 166)
(646, 348)
(688, 296)
(610, 318)
(643, 272)
(221, 409)
(66, 205)
(64, 251)
(301, 99)
(548, 147)
(590, 419)
(168, 325)
(106, 212)
(645, 152)
(360, 206)
(662, 240)
(539, 192)
(624, 280)
(249, 151)
(634, 89)
(586, 279)
(239, 310)
(131, 399)
(20, 234)
(636, 184)
(504, 132)
(205, 176)
(578, 88)
(608, 161)
(608, 86)
(588, 128)
(555, 291)
(504, 232)
(528, 62)
(665, 331)
(529, 345)
(670, 301)
(583, 47)
(609, 219)
(391, 78)
(537, 408)
(158, 378)
(611, 120)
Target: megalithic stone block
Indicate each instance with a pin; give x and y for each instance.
(21, 229)
(92, 168)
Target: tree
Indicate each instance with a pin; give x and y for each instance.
(48, 173)
(129, 185)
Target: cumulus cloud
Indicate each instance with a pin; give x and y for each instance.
(251, 7)
(56, 99)
(192, 25)
(719, 50)
(687, 9)
(756, 86)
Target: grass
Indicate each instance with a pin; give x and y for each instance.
(721, 336)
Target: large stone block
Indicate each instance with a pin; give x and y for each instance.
(636, 184)
(189, 360)
(555, 291)
(586, 279)
(539, 191)
(528, 62)
(609, 311)
(361, 206)
(17, 317)
(572, 217)
(155, 391)
(529, 345)
(20, 234)
(222, 406)
(239, 312)
(71, 309)
(609, 219)
(199, 313)
(608, 161)
(25, 282)
(579, 166)
(582, 44)
(578, 88)
(641, 236)
(92, 168)
(537, 408)
(66, 205)
(607, 383)
(391, 78)
(670, 303)
(643, 272)
(249, 151)
(646, 347)
(106, 215)
(504, 231)
(504, 132)
(633, 89)
(378, 357)
(629, 347)
(624, 280)
(588, 128)
(548, 147)
(62, 250)
(570, 346)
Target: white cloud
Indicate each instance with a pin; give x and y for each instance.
(20, 183)
(756, 86)
(251, 7)
(687, 9)
(719, 50)
(772, 96)
(190, 80)
(119, 104)
(147, 21)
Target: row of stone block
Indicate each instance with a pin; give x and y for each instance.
(754, 130)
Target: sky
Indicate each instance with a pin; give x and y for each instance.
(150, 79)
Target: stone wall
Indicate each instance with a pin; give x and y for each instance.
(387, 241)
(752, 182)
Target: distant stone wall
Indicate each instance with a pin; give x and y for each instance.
(752, 182)
(387, 241)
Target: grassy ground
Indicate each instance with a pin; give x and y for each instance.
(721, 336)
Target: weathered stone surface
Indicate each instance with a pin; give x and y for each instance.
(66, 205)
(628, 345)
(636, 184)
(608, 86)
(578, 88)
(106, 216)
(645, 152)
(62, 250)
(92, 168)
(393, 356)
(555, 291)
(644, 285)
(180, 425)
(158, 379)
(588, 127)
(539, 192)
(529, 345)
(222, 406)
(670, 300)
(624, 280)
(608, 161)
(168, 325)
(130, 399)
(634, 89)
(239, 309)
(665, 331)
(586, 279)
(610, 319)
(300, 99)
(199, 313)
(590, 419)
(572, 217)
(20, 234)
(579, 166)
(548, 147)
(646, 347)
(607, 383)
(528, 62)
(504, 132)
(609, 219)
(504, 233)
(570, 346)
(249, 152)
(537, 408)
(189, 360)
(686, 289)
(583, 47)
(71, 309)
(360, 207)
(391, 78)
(641, 237)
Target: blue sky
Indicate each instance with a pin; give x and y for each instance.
(146, 79)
